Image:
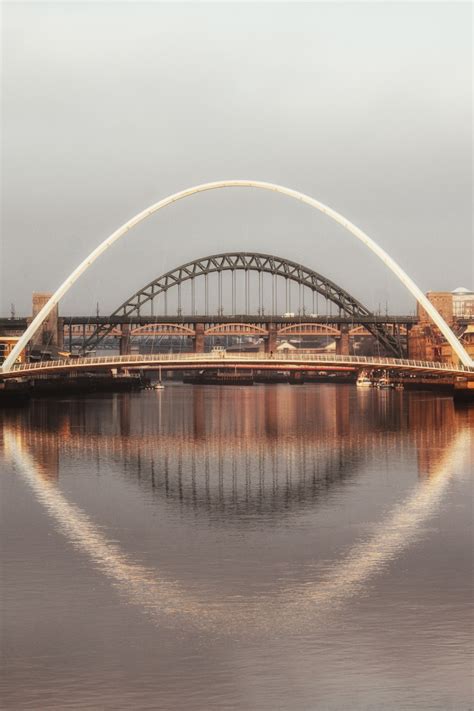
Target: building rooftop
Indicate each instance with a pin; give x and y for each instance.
(462, 290)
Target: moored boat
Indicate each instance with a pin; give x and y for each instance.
(363, 381)
(384, 383)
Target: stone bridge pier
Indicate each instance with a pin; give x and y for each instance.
(342, 341)
(124, 341)
(198, 339)
(271, 339)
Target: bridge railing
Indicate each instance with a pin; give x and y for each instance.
(290, 357)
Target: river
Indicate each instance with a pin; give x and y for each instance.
(265, 547)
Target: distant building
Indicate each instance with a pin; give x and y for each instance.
(443, 303)
(7, 344)
(244, 348)
(466, 338)
(425, 341)
(463, 303)
(284, 347)
(48, 335)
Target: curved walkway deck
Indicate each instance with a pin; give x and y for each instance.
(265, 361)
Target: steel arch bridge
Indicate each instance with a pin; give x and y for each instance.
(277, 267)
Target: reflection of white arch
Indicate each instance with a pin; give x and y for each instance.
(157, 595)
(386, 259)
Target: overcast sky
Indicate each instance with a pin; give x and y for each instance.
(107, 107)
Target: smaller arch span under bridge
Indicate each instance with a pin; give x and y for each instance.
(247, 262)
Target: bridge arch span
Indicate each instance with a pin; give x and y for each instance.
(236, 329)
(272, 187)
(246, 261)
(163, 329)
(309, 329)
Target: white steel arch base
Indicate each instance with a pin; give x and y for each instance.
(373, 246)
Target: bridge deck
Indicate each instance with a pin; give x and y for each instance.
(278, 361)
(21, 323)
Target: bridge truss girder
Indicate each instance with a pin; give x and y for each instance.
(249, 261)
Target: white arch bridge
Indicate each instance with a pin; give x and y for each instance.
(230, 361)
(450, 337)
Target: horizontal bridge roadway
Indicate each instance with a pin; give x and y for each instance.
(262, 361)
(242, 318)
(20, 323)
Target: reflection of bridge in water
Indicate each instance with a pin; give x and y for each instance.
(269, 450)
(38, 441)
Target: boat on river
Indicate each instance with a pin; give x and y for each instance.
(159, 385)
(384, 382)
(363, 381)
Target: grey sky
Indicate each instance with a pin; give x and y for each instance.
(108, 107)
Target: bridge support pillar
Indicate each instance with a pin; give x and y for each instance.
(61, 334)
(198, 340)
(342, 341)
(124, 341)
(271, 339)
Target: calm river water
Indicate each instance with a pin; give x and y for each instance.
(268, 547)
